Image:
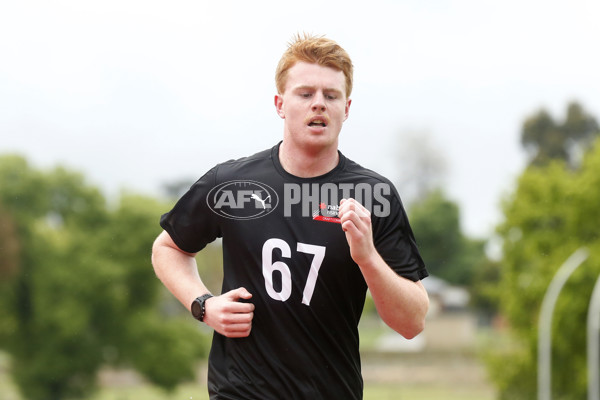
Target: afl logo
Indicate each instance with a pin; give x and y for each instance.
(242, 199)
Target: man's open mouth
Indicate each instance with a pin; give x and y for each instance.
(318, 122)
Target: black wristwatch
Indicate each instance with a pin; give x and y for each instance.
(198, 308)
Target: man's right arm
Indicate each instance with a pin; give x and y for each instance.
(178, 271)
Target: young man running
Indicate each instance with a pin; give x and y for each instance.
(305, 233)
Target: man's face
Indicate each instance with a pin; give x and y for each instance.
(314, 105)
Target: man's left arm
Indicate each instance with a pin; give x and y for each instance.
(401, 303)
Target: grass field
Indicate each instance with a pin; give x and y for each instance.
(372, 392)
(442, 390)
(198, 392)
(388, 376)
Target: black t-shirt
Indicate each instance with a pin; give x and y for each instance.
(282, 241)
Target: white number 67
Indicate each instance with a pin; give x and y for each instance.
(268, 267)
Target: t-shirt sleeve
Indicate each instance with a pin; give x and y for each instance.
(191, 223)
(395, 242)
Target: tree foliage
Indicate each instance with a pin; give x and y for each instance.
(553, 211)
(547, 139)
(76, 287)
(447, 252)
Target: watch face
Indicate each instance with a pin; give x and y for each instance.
(196, 309)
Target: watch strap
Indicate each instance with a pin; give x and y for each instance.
(201, 302)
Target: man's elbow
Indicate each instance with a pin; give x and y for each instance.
(410, 331)
(154, 255)
(160, 251)
(416, 323)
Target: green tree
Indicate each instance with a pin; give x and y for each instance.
(447, 252)
(77, 291)
(9, 246)
(553, 211)
(545, 139)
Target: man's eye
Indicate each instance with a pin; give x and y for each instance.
(305, 95)
(331, 97)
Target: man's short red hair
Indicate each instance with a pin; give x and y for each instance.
(317, 50)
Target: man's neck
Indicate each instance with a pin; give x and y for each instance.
(306, 162)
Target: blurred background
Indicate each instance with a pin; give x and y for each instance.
(484, 114)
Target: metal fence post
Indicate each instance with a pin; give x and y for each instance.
(593, 344)
(545, 321)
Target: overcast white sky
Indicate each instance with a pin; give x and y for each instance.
(136, 94)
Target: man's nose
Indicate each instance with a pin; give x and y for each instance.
(318, 102)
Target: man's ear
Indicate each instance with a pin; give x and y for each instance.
(347, 110)
(279, 106)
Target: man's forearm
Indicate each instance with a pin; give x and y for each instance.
(401, 303)
(177, 270)
(179, 273)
